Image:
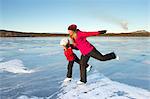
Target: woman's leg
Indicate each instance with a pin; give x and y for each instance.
(97, 55)
(83, 63)
(69, 69)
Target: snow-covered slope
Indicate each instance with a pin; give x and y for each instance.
(100, 87)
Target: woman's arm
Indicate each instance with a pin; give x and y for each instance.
(87, 34)
(73, 47)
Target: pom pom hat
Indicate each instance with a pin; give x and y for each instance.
(72, 27)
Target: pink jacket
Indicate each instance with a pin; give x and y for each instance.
(82, 44)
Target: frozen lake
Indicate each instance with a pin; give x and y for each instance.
(35, 68)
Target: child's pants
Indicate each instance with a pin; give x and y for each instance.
(70, 66)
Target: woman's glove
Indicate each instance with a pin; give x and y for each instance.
(102, 31)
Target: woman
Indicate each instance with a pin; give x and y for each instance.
(87, 50)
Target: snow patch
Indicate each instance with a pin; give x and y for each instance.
(21, 49)
(14, 66)
(26, 97)
(100, 87)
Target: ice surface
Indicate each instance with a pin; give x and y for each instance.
(51, 53)
(146, 62)
(98, 87)
(43, 58)
(1, 59)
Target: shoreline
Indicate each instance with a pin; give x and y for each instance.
(7, 33)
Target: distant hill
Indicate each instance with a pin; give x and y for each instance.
(7, 33)
(140, 33)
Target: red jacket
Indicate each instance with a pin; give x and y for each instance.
(69, 54)
(82, 44)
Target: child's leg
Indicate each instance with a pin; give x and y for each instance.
(77, 60)
(97, 55)
(69, 69)
(83, 62)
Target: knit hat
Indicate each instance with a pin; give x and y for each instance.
(72, 27)
(64, 41)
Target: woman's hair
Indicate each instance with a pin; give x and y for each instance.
(72, 27)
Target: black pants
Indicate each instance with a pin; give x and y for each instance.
(70, 66)
(95, 54)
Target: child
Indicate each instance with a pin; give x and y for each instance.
(71, 57)
(87, 50)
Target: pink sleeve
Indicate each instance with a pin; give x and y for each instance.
(87, 34)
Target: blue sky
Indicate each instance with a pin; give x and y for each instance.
(89, 15)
